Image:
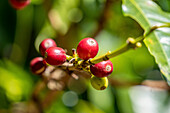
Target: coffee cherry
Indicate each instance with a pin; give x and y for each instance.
(55, 56)
(37, 65)
(102, 69)
(99, 83)
(45, 44)
(87, 48)
(19, 4)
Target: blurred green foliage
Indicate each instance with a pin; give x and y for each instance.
(22, 31)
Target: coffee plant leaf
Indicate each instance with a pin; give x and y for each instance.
(148, 14)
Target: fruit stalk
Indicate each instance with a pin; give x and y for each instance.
(131, 44)
(109, 55)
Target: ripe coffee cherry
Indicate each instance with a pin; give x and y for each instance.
(45, 44)
(102, 69)
(87, 48)
(19, 4)
(55, 56)
(37, 65)
(99, 83)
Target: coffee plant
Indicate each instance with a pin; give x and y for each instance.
(90, 56)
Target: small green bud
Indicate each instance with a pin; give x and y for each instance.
(131, 40)
(138, 44)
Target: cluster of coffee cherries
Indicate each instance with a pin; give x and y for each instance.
(86, 50)
(19, 4)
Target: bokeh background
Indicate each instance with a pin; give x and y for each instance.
(67, 22)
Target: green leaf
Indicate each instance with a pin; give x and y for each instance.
(148, 14)
(15, 82)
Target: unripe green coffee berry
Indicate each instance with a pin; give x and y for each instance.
(99, 83)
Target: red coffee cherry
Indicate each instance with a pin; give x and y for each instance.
(37, 65)
(19, 4)
(55, 56)
(102, 69)
(45, 44)
(87, 48)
